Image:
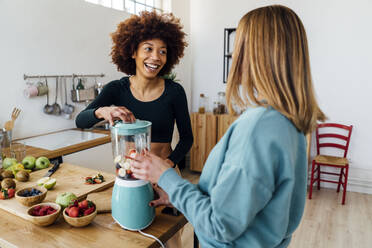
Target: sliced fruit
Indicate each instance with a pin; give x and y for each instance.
(42, 180)
(122, 172)
(50, 183)
(117, 159)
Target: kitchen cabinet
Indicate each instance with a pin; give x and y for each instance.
(207, 129)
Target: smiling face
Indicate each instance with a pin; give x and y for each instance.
(150, 57)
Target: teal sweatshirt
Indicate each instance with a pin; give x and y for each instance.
(252, 189)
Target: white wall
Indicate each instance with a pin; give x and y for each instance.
(50, 37)
(341, 58)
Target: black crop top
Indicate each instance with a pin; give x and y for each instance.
(162, 112)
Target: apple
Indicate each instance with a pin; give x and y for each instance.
(29, 162)
(64, 199)
(9, 162)
(42, 163)
(47, 182)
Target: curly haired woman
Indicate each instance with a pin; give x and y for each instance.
(146, 47)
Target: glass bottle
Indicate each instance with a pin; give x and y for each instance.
(80, 85)
(221, 102)
(202, 104)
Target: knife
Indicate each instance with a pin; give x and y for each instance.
(53, 169)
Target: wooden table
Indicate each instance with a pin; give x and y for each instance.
(102, 232)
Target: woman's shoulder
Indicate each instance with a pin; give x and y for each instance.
(265, 121)
(174, 87)
(119, 83)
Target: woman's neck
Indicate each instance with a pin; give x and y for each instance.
(146, 89)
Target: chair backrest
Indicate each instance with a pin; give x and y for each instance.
(331, 134)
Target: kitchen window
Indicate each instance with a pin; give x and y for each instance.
(132, 6)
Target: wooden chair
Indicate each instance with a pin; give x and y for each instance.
(327, 139)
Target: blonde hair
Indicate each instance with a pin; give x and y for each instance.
(271, 58)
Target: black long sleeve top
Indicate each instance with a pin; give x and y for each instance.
(162, 112)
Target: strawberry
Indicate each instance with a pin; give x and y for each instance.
(83, 204)
(132, 153)
(11, 193)
(97, 180)
(89, 211)
(74, 212)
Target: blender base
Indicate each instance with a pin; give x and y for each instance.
(130, 229)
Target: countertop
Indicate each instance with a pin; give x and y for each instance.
(71, 145)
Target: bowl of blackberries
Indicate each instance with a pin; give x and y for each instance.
(44, 214)
(79, 214)
(31, 195)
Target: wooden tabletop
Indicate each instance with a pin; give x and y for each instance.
(102, 232)
(38, 152)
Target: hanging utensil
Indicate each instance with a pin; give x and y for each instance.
(67, 109)
(10, 124)
(71, 108)
(48, 109)
(56, 107)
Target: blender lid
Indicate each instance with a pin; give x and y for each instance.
(137, 127)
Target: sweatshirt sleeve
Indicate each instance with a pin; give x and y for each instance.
(240, 192)
(183, 125)
(87, 117)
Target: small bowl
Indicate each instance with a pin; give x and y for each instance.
(31, 200)
(45, 220)
(79, 221)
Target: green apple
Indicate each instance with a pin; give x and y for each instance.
(42, 163)
(47, 182)
(29, 162)
(9, 162)
(64, 199)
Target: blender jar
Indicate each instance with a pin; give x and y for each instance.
(127, 139)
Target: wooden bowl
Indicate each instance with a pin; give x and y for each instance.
(45, 220)
(80, 221)
(31, 200)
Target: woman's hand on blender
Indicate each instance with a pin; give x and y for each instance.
(148, 167)
(162, 199)
(113, 113)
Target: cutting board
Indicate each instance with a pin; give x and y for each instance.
(70, 178)
(102, 200)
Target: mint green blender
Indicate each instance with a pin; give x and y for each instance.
(131, 196)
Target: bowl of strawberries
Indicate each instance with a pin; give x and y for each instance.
(79, 214)
(44, 214)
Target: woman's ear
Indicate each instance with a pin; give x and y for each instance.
(134, 55)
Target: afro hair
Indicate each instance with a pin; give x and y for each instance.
(146, 26)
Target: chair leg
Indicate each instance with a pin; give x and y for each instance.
(312, 179)
(340, 180)
(345, 184)
(318, 177)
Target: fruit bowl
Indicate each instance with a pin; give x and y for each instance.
(79, 221)
(45, 220)
(31, 200)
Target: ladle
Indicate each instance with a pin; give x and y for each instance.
(67, 109)
(71, 108)
(56, 107)
(48, 109)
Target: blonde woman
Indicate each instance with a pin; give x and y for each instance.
(253, 186)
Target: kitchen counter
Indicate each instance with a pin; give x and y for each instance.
(102, 232)
(16, 231)
(69, 141)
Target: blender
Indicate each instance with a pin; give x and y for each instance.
(131, 196)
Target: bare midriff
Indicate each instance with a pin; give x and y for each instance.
(162, 150)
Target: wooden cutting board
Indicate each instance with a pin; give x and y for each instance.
(70, 178)
(102, 200)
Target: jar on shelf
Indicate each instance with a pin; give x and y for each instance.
(221, 104)
(202, 104)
